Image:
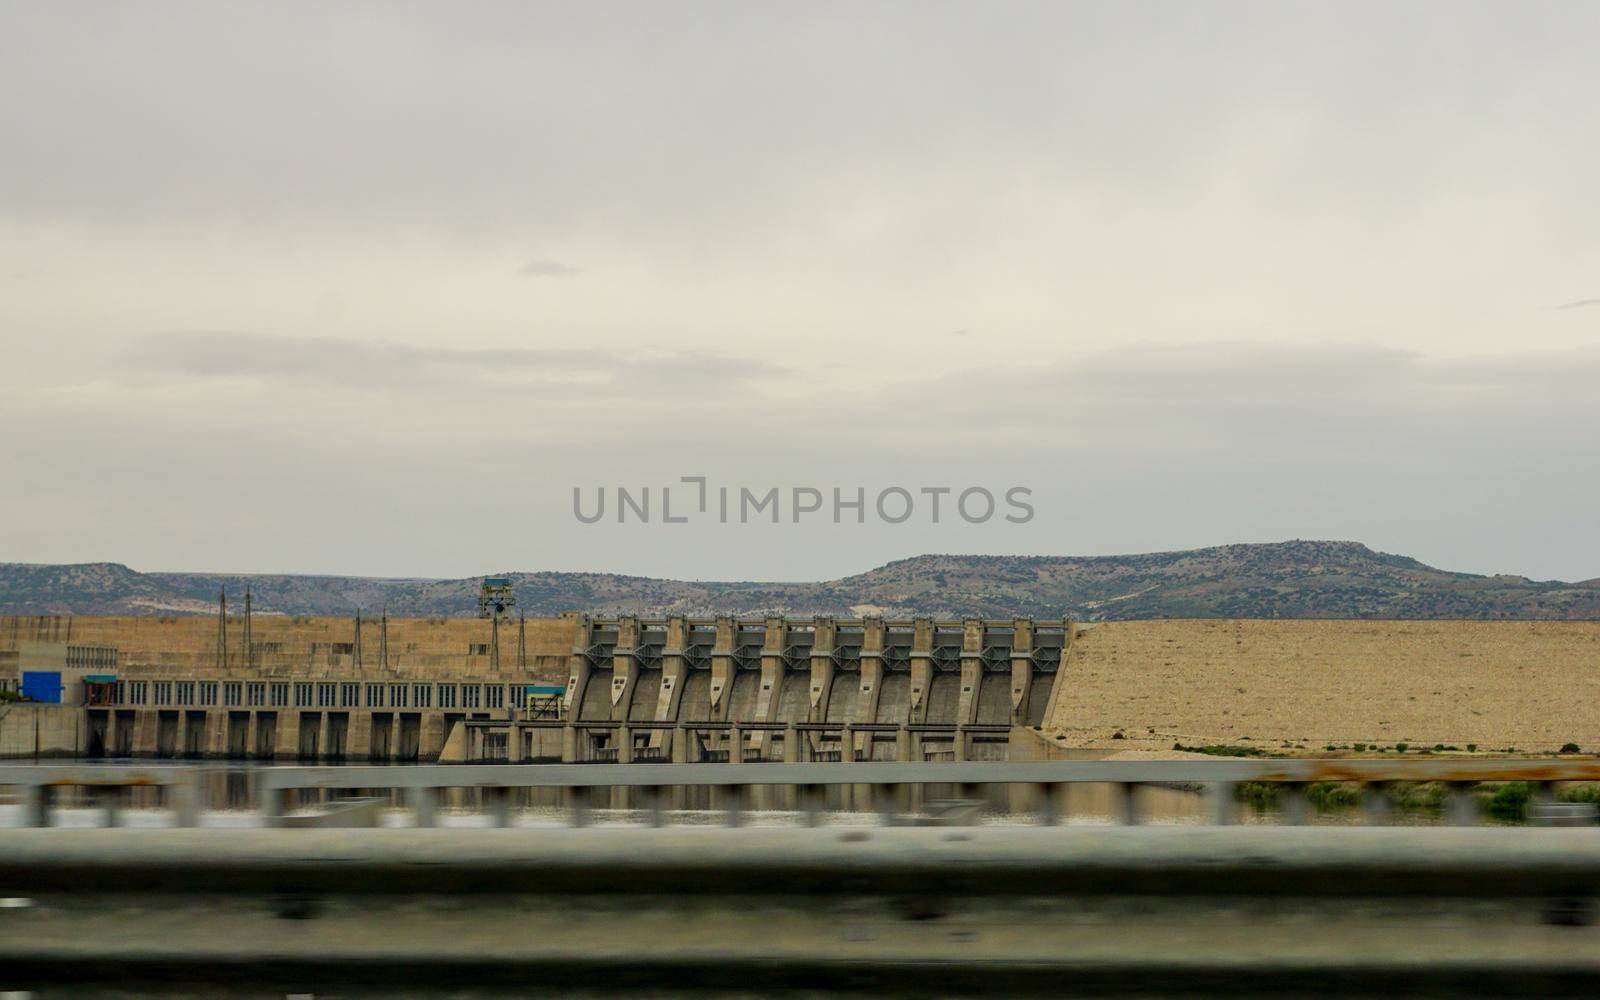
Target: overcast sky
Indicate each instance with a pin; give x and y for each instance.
(370, 288)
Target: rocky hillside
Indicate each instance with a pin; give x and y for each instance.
(1299, 579)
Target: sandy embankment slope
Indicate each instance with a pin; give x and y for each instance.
(1528, 685)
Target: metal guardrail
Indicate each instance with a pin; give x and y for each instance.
(1090, 911)
(38, 782)
(888, 781)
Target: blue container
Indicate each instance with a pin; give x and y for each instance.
(42, 685)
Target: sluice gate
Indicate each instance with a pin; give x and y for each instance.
(786, 689)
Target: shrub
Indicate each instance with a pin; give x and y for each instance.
(1569, 748)
(1428, 796)
(1472, 748)
(1261, 795)
(1401, 747)
(1223, 750)
(1327, 795)
(1361, 748)
(1508, 802)
(1588, 791)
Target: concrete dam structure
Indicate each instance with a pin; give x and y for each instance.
(806, 689)
(574, 688)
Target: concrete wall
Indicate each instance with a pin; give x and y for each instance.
(429, 648)
(198, 663)
(40, 730)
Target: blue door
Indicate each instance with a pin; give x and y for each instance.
(42, 685)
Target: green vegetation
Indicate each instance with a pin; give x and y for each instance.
(1569, 748)
(1262, 796)
(1587, 791)
(1503, 802)
(1419, 796)
(1224, 750)
(1507, 801)
(1328, 796)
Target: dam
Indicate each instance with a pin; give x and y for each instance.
(575, 688)
(797, 689)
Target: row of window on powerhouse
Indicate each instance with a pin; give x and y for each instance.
(313, 694)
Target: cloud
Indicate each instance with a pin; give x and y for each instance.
(1580, 304)
(382, 365)
(1157, 446)
(1331, 404)
(545, 267)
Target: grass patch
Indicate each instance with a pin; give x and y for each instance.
(1225, 750)
(1588, 791)
(1419, 796)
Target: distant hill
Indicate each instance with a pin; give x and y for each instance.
(1298, 579)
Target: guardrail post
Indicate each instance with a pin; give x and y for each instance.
(274, 801)
(424, 804)
(185, 792)
(653, 795)
(791, 744)
(1124, 808)
(887, 799)
(811, 805)
(1461, 809)
(1296, 807)
(1375, 797)
(1223, 812)
(735, 794)
(108, 799)
(578, 806)
(1047, 802)
(1541, 795)
(36, 805)
(499, 805)
(736, 744)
